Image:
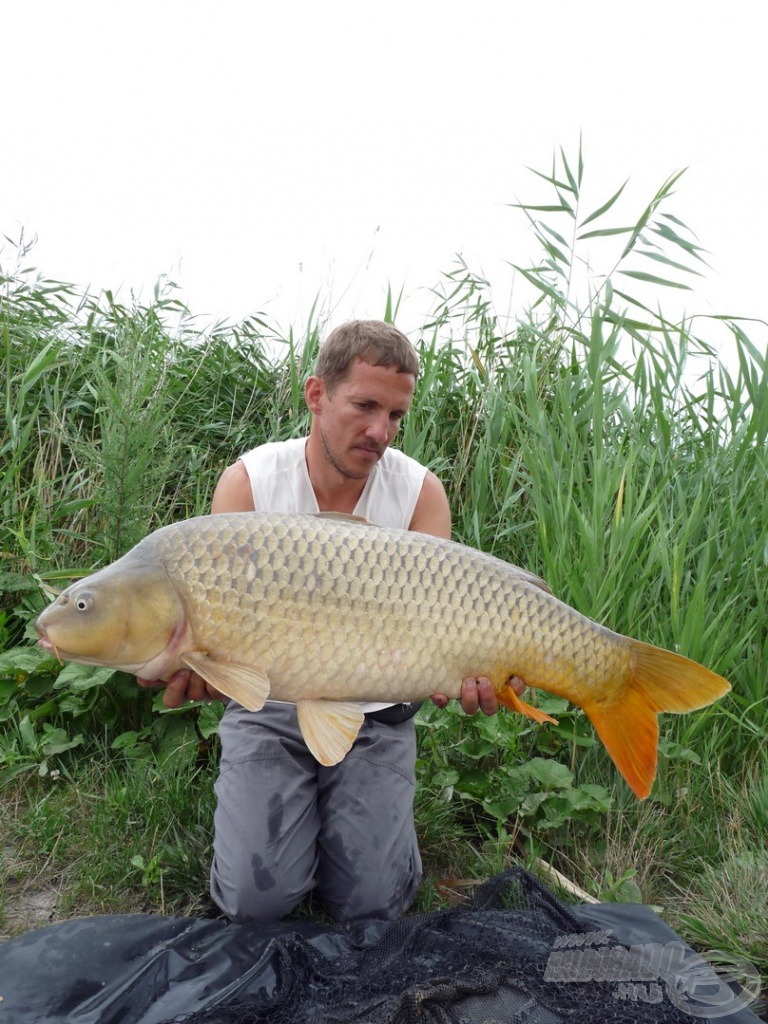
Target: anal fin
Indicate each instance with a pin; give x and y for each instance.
(329, 728)
(246, 684)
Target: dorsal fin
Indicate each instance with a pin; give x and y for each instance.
(531, 577)
(344, 517)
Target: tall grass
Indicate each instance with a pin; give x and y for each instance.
(575, 441)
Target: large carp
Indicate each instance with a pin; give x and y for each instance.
(326, 610)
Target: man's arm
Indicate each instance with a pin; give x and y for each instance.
(233, 491)
(432, 514)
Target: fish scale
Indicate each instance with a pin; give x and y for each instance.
(325, 611)
(387, 612)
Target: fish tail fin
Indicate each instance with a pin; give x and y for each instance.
(628, 725)
(673, 682)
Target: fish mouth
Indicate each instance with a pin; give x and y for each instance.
(48, 645)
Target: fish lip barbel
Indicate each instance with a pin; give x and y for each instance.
(48, 645)
(280, 606)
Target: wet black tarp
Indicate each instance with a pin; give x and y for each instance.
(143, 969)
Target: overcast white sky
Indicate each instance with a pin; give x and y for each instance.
(262, 153)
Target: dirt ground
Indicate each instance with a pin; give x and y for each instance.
(28, 903)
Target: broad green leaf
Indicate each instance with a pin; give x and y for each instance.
(502, 806)
(125, 740)
(24, 661)
(209, 717)
(8, 689)
(56, 741)
(177, 740)
(551, 774)
(83, 677)
(27, 733)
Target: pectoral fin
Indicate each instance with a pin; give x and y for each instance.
(246, 684)
(329, 728)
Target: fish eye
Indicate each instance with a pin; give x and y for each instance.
(83, 601)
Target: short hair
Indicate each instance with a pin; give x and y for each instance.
(373, 341)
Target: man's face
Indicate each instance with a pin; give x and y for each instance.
(360, 416)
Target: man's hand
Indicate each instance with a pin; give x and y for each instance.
(477, 694)
(183, 685)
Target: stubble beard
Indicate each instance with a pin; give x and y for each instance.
(336, 462)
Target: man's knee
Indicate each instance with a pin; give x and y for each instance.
(383, 895)
(251, 896)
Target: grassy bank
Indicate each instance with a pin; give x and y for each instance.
(575, 441)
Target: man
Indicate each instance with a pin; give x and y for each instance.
(285, 825)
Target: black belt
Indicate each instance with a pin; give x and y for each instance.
(395, 714)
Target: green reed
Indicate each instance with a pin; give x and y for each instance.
(594, 440)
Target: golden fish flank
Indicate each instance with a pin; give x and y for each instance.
(326, 610)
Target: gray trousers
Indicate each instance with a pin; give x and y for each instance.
(285, 825)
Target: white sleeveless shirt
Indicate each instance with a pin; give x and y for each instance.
(280, 482)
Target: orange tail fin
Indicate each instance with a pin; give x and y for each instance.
(628, 726)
